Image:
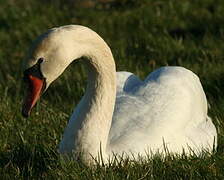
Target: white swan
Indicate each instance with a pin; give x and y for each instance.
(168, 108)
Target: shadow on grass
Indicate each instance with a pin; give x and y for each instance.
(28, 160)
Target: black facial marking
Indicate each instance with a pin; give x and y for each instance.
(40, 60)
(34, 70)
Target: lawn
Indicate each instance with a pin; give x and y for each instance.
(143, 36)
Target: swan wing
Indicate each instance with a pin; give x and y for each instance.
(126, 81)
(169, 106)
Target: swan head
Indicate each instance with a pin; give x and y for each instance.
(53, 51)
(48, 57)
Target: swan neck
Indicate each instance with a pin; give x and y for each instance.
(90, 123)
(100, 95)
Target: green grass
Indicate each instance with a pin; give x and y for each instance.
(143, 36)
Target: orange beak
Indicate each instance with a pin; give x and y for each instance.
(34, 90)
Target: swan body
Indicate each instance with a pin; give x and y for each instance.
(119, 113)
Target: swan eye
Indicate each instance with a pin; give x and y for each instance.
(40, 60)
(34, 70)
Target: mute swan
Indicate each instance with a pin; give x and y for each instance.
(168, 108)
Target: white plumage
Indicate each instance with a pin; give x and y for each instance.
(168, 108)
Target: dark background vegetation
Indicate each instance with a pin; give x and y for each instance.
(143, 35)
